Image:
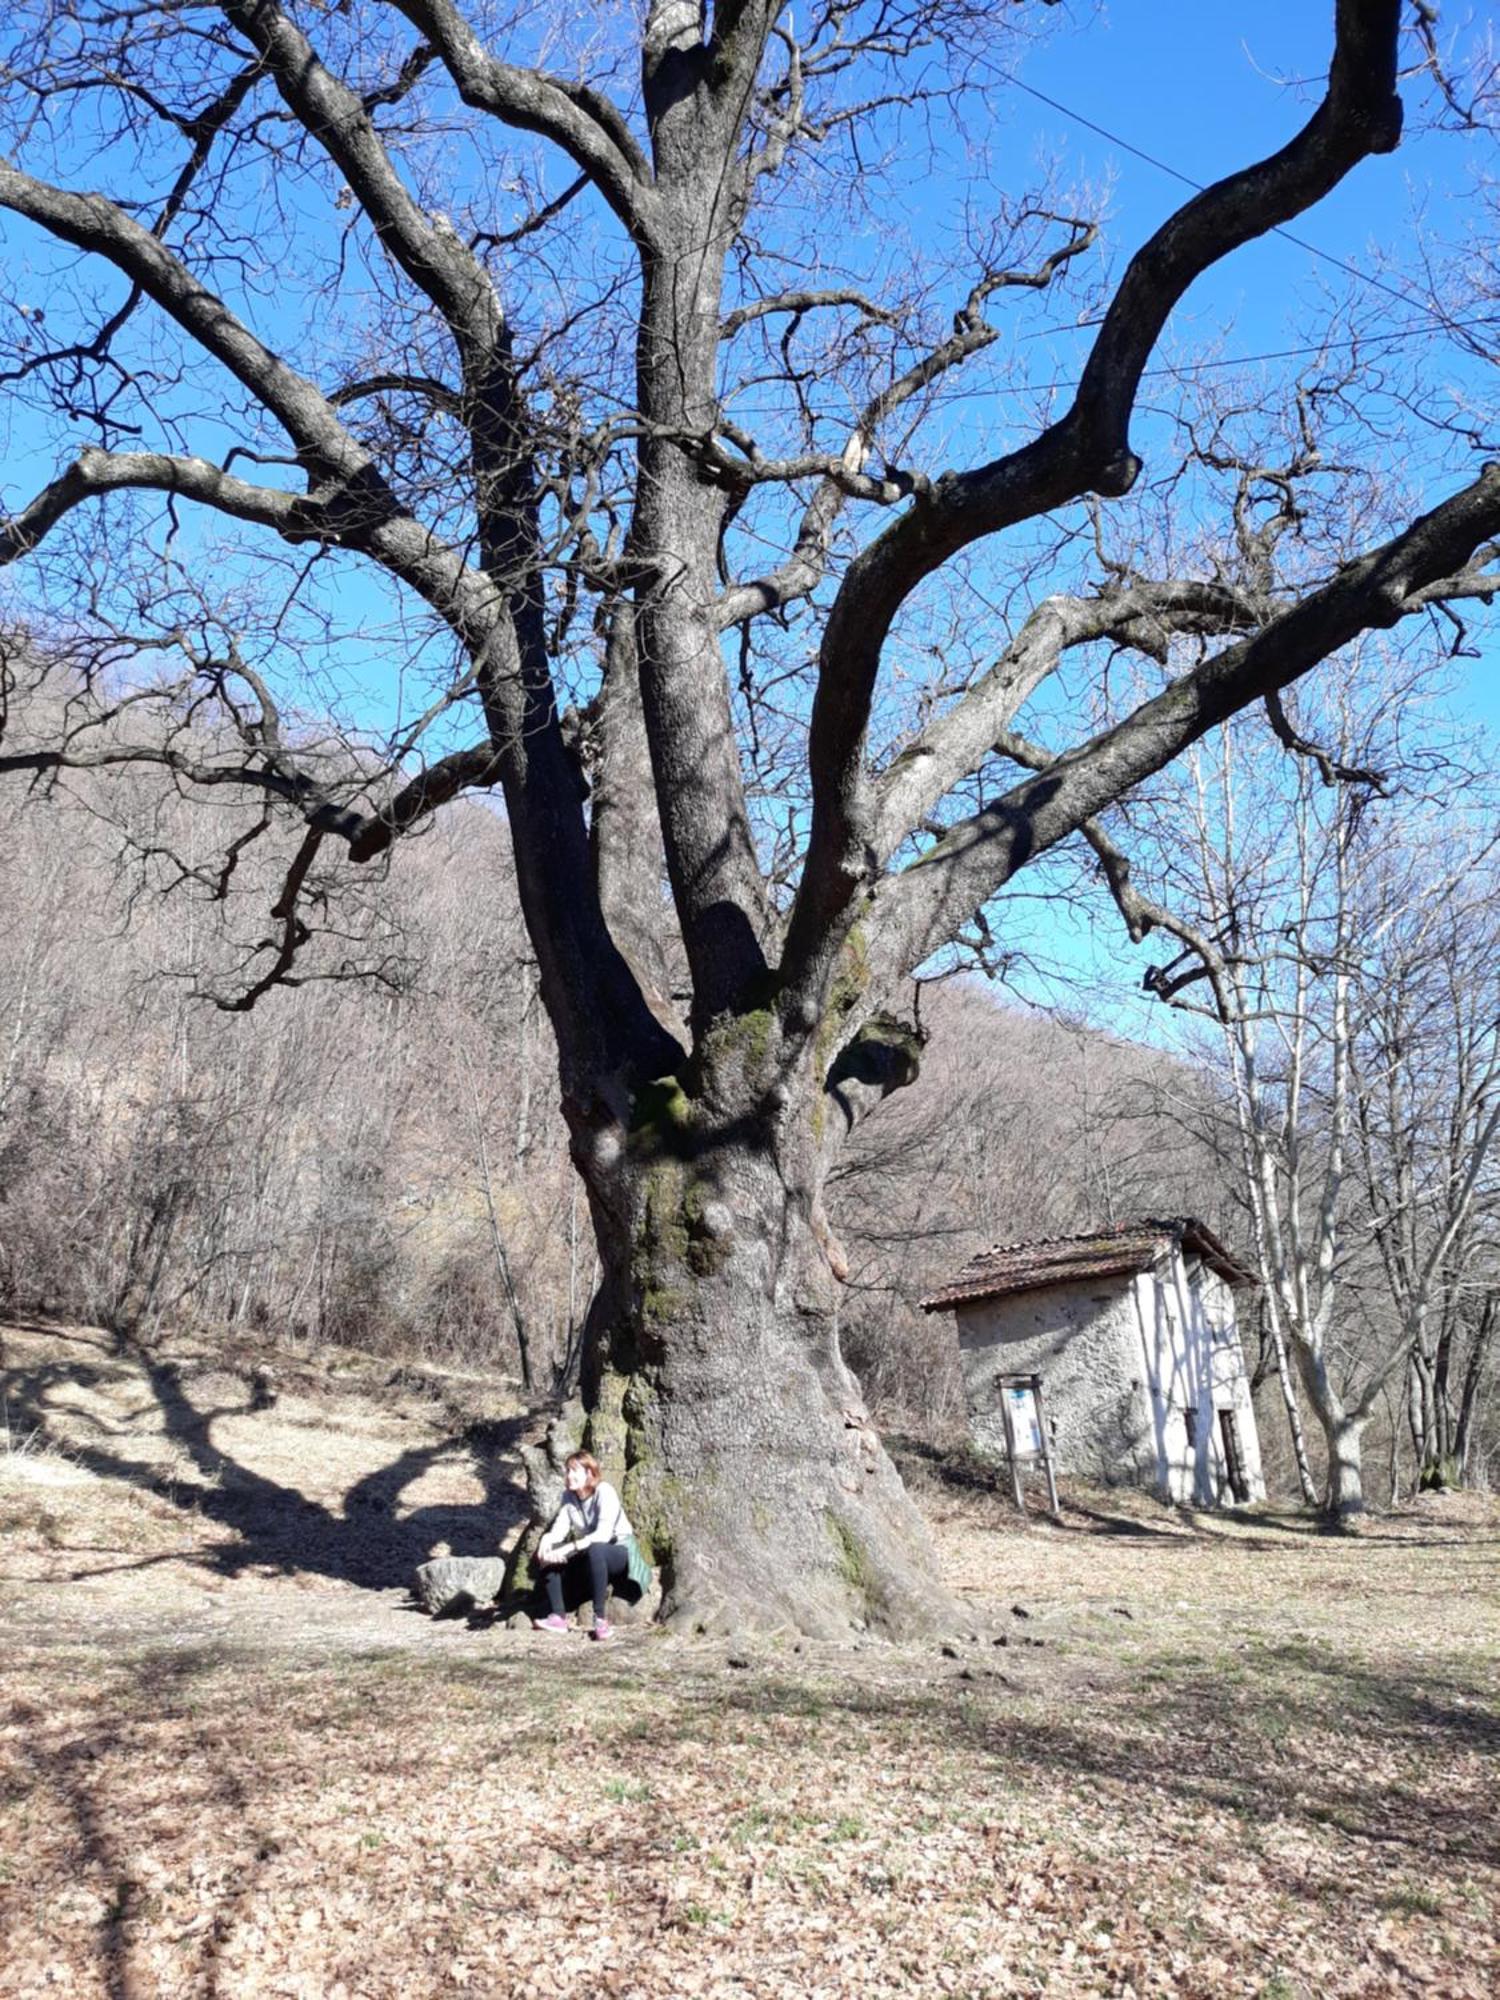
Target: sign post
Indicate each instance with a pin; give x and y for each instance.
(1012, 1444)
(1026, 1438)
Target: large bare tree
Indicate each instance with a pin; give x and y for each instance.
(579, 335)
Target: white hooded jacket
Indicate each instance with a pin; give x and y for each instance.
(586, 1518)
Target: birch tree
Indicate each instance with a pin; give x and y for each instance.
(581, 346)
(1343, 948)
(1426, 1094)
(1262, 908)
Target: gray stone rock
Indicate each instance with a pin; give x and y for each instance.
(458, 1583)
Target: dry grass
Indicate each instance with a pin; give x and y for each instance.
(1213, 1759)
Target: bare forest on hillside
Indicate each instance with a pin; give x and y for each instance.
(382, 1163)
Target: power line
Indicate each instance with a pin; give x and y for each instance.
(1432, 322)
(1201, 187)
(1179, 368)
(1392, 338)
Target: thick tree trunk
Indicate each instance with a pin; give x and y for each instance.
(712, 1377)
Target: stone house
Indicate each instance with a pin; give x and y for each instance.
(1132, 1332)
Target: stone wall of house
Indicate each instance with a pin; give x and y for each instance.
(1084, 1340)
(1136, 1372)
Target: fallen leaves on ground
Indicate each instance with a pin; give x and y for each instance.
(1212, 1759)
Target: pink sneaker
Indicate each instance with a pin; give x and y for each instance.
(551, 1623)
(602, 1629)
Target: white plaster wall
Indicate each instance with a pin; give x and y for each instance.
(1232, 1381)
(1173, 1367)
(1194, 1360)
(1083, 1341)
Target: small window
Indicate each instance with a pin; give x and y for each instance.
(1190, 1425)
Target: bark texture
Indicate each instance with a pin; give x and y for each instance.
(1346, 1488)
(753, 1473)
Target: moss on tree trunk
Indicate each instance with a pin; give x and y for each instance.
(713, 1385)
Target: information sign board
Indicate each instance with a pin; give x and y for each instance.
(1025, 1422)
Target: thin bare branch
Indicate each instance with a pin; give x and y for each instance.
(579, 120)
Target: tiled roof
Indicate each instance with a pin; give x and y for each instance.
(1102, 1253)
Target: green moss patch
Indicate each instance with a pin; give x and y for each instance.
(849, 1553)
(661, 1119)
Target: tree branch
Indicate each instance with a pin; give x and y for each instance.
(578, 119)
(294, 932)
(955, 744)
(432, 256)
(918, 910)
(96, 472)
(800, 302)
(290, 787)
(1330, 770)
(1142, 914)
(477, 768)
(91, 223)
(1087, 450)
(449, 401)
(844, 478)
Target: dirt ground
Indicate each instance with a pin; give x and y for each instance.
(1164, 1755)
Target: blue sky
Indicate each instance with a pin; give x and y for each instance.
(1126, 74)
(1206, 87)
(1200, 86)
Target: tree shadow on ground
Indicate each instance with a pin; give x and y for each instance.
(367, 1541)
(967, 1474)
(1096, 1520)
(74, 1777)
(1284, 1751)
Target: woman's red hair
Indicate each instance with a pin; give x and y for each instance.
(590, 1465)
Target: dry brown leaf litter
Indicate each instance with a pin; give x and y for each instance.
(1243, 1759)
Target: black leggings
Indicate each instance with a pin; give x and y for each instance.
(600, 1562)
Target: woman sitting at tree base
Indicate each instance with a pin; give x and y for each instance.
(590, 1544)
